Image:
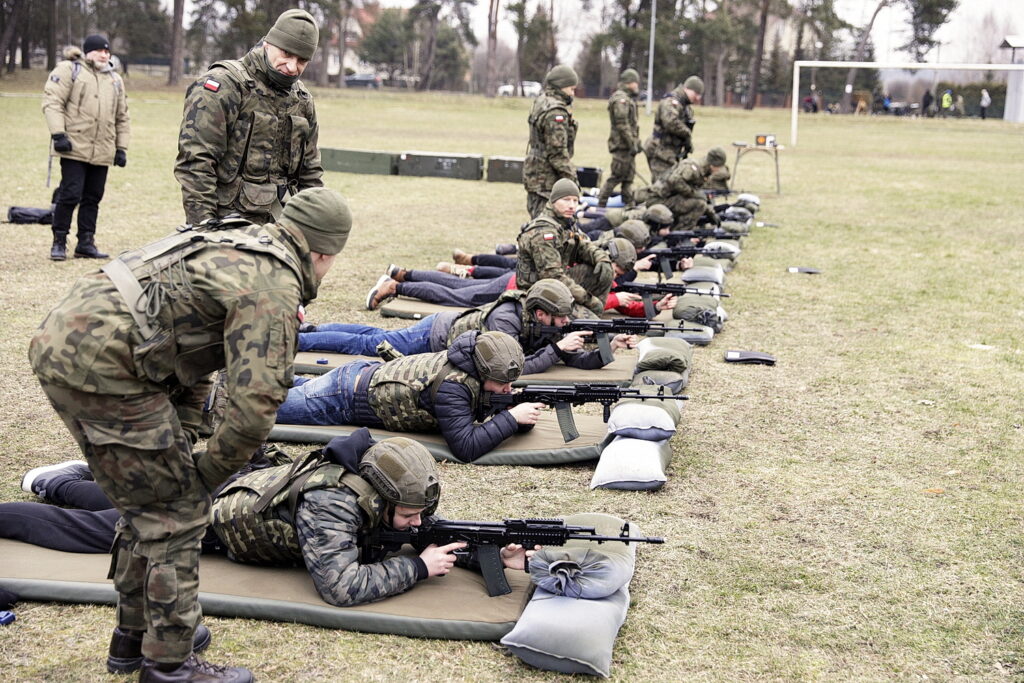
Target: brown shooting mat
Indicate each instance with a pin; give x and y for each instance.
(619, 371)
(413, 309)
(455, 606)
(543, 445)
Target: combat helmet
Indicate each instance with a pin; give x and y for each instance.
(636, 232)
(621, 252)
(658, 214)
(550, 296)
(498, 357)
(403, 472)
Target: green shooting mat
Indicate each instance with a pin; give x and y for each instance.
(543, 445)
(455, 606)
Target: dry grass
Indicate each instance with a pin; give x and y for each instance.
(806, 537)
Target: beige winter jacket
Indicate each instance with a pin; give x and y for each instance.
(90, 105)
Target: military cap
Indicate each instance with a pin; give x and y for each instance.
(629, 76)
(403, 472)
(295, 31)
(635, 231)
(549, 295)
(622, 252)
(498, 357)
(715, 156)
(561, 76)
(323, 217)
(563, 187)
(695, 84)
(658, 213)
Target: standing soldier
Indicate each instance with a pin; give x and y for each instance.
(86, 111)
(124, 360)
(672, 138)
(624, 139)
(249, 132)
(552, 136)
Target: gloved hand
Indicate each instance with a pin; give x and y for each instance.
(120, 158)
(61, 142)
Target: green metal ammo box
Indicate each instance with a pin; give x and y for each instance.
(359, 161)
(462, 166)
(505, 169)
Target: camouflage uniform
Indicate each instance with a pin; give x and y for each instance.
(244, 141)
(549, 245)
(672, 138)
(133, 404)
(680, 191)
(715, 180)
(552, 138)
(623, 143)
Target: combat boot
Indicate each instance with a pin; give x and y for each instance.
(396, 273)
(461, 258)
(86, 248)
(125, 653)
(192, 669)
(454, 269)
(384, 289)
(59, 250)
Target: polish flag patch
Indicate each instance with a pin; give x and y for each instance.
(211, 85)
(300, 313)
(559, 118)
(549, 236)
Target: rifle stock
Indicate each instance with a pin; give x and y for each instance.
(603, 331)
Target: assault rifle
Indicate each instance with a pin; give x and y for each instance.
(715, 192)
(669, 256)
(603, 331)
(488, 538)
(647, 290)
(563, 396)
(684, 236)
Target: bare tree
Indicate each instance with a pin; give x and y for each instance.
(858, 54)
(7, 37)
(492, 45)
(755, 68)
(175, 68)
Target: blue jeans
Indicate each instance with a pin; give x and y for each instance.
(362, 340)
(325, 400)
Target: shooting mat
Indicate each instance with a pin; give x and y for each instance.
(455, 606)
(619, 371)
(413, 309)
(543, 445)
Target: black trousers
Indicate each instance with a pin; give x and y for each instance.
(81, 185)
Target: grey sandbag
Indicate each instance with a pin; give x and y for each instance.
(582, 573)
(704, 274)
(633, 465)
(671, 380)
(570, 635)
(640, 421)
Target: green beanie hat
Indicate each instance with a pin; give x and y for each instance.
(695, 84)
(322, 216)
(563, 187)
(561, 76)
(295, 31)
(715, 157)
(629, 76)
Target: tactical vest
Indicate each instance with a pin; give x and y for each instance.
(244, 512)
(395, 388)
(665, 138)
(254, 158)
(146, 276)
(474, 318)
(541, 106)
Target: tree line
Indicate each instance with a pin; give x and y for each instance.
(743, 49)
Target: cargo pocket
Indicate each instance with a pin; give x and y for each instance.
(300, 133)
(257, 198)
(260, 148)
(136, 463)
(194, 365)
(154, 357)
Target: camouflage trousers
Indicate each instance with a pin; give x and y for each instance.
(686, 210)
(535, 203)
(622, 172)
(142, 460)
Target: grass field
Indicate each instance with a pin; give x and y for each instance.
(851, 513)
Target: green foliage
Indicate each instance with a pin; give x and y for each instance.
(386, 44)
(538, 54)
(451, 61)
(143, 26)
(926, 17)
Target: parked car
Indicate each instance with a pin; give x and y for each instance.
(362, 81)
(530, 89)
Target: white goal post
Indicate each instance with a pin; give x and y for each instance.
(1011, 97)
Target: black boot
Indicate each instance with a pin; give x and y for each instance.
(59, 250)
(192, 669)
(86, 248)
(125, 653)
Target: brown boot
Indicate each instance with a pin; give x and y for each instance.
(385, 289)
(396, 273)
(192, 669)
(462, 258)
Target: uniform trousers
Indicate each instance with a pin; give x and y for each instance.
(81, 185)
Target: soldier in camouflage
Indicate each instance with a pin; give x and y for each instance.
(624, 139)
(552, 138)
(716, 173)
(445, 391)
(680, 190)
(124, 359)
(342, 494)
(550, 243)
(672, 138)
(249, 130)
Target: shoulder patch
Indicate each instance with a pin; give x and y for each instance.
(559, 118)
(55, 78)
(211, 85)
(300, 313)
(549, 236)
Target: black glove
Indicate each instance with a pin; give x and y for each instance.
(120, 158)
(61, 142)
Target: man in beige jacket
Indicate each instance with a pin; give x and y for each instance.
(86, 111)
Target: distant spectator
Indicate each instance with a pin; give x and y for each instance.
(862, 107)
(985, 103)
(960, 107)
(947, 104)
(928, 104)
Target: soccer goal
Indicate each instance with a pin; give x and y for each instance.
(1014, 88)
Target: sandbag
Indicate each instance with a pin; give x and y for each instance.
(695, 334)
(632, 465)
(26, 214)
(586, 573)
(664, 353)
(702, 261)
(640, 421)
(700, 310)
(672, 381)
(704, 274)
